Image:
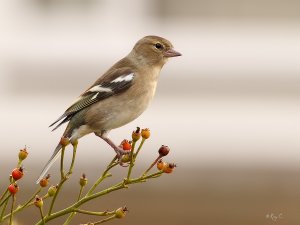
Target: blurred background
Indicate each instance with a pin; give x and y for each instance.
(228, 108)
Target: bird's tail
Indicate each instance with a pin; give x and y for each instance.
(54, 156)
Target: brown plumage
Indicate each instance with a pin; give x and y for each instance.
(119, 96)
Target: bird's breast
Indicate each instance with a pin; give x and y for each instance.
(121, 109)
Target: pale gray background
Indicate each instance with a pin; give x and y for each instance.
(229, 107)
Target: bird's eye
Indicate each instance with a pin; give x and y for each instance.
(158, 46)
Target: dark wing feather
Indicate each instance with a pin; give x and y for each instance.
(116, 84)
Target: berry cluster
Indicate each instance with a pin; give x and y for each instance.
(132, 146)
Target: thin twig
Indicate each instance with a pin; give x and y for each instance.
(63, 177)
(94, 213)
(2, 197)
(74, 213)
(27, 204)
(140, 147)
(103, 176)
(12, 209)
(62, 174)
(153, 164)
(4, 208)
(105, 220)
(131, 156)
(85, 199)
(62, 180)
(42, 215)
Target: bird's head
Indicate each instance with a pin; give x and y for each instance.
(154, 50)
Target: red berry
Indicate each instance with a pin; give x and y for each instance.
(164, 150)
(17, 173)
(126, 145)
(13, 188)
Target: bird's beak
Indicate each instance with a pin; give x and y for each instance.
(171, 53)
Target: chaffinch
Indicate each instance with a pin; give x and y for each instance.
(118, 97)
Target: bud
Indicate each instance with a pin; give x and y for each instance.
(125, 158)
(64, 141)
(169, 168)
(163, 150)
(45, 181)
(145, 133)
(23, 154)
(121, 212)
(83, 180)
(136, 135)
(38, 202)
(52, 190)
(13, 188)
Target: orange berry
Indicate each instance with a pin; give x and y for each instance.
(45, 181)
(169, 168)
(145, 133)
(160, 165)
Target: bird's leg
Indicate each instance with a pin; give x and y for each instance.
(119, 151)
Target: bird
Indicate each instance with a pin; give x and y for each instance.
(118, 97)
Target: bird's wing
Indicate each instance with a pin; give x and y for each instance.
(109, 85)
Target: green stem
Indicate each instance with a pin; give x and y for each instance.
(62, 174)
(105, 220)
(4, 200)
(32, 197)
(4, 208)
(153, 164)
(140, 147)
(63, 177)
(42, 215)
(85, 199)
(19, 163)
(73, 159)
(94, 213)
(131, 160)
(12, 209)
(74, 213)
(27, 204)
(4, 194)
(104, 175)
